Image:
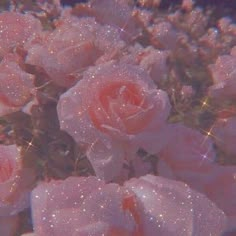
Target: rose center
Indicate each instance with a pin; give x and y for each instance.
(122, 106)
(120, 93)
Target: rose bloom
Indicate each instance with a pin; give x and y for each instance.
(115, 109)
(187, 154)
(187, 148)
(147, 206)
(153, 61)
(207, 181)
(16, 29)
(74, 45)
(189, 157)
(224, 77)
(14, 181)
(225, 132)
(225, 195)
(15, 85)
(121, 13)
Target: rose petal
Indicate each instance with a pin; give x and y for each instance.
(107, 162)
(149, 205)
(16, 29)
(225, 132)
(14, 185)
(15, 85)
(223, 74)
(121, 14)
(173, 208)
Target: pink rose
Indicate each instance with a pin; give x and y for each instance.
(225, 195)
(153, 61)
(114, 109)
(14, 181)
(224, 77)
(121, 13)
(233, 51)
(188, 149)
(65, 51)
(15, 85)
(225, 132)
(207, 181)
(188, 154)
(71, 48)
(164, 35)
(147, 206)
(189, 157)
(16, 29)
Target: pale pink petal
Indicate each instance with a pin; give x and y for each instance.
(67, 50)
(50, 197)
(155, 139)
(121, 14)
(15, 85)
(106, 206)
(16, 29)
(144, 206)
(215, 181)
(225, 195)
(155, 63)
(188, 148)
(73, 205)
(233, 51)
(220, 70)
(196, 179)
(173, 208)
(224, 131)
(15, 181)
(72, 47)
(106, 161)
(223, 73)
(164, 35)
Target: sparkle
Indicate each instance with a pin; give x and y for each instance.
(205, 103)
(30, 144)
(208, 133)
(205, 155)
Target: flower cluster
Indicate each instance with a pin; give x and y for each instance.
(116, 118)
(149, 205)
